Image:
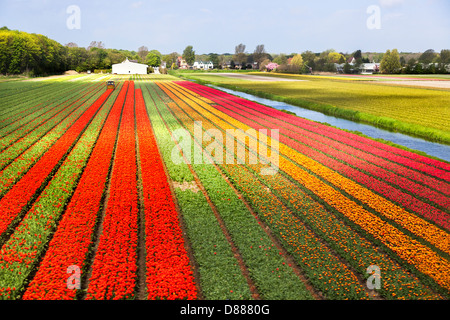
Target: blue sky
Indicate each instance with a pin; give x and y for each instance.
(283, 26)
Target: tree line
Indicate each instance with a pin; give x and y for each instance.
(23, 52)
(35, 54)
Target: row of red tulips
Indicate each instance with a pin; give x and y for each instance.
(397, 156)
(168, 273)
(18, 196)
(114, 269)
(71, 242)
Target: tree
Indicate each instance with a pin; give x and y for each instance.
(357, 54)
(445, 56)
(239, 54)
(321, 62)
(201, 57)
(384, 65)
(174, 56)
(412, 62)
(395, 61)
(240, 48)
(297, 60)
(251, 59)
(347, 68)
(391, 62)
(293, 65)
(418, 69)
(156, 52)
(358, 63)
(324, 55)
(76, 59)
(428, 56)
(170, 59)
(377, 57)
(431, 69)
(72, 45)
(280, 59)
(189, 55)
(167, 59)
(116, 56)
(96, 59)
(409, 66)
(334, 57)
(96, 44)
(153, 59)
(263, 64)
(142, 53)
(223, 60)
(259, 55)
(22, 52)
(272, 66)
(214, 57)
(308, 57)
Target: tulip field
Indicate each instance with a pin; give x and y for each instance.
(136, 194)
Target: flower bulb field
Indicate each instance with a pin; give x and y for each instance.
(166, 189)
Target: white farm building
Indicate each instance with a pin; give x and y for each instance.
(129, 67)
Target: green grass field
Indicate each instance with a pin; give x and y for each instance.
(422, 112)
